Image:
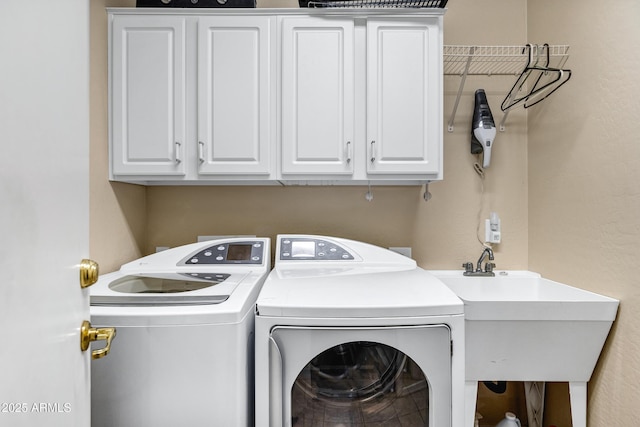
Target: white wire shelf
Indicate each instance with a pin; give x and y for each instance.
(459, 60)
(497, 60)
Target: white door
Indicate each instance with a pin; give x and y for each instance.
(44, 212)
(404, 72)
(317, 95)
(236, 89)
(148, 95)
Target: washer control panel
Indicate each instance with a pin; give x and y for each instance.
(244, 252)
(210, 277)
(308, 249)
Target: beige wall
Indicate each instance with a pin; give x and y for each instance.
(191, 211)
(584, 201)
(117, 211)
(130, 220)
(446, 227)
(547, 184)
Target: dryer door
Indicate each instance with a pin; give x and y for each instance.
(361, 376)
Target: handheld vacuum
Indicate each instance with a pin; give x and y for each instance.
(483, 128)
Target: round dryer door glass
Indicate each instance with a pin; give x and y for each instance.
(360, 383)
(164, 285)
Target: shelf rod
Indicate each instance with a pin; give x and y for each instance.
(462, 81)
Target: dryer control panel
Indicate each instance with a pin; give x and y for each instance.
(244, 252)
(311, 249)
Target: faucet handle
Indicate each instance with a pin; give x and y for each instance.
(468, 267)
(488, 267)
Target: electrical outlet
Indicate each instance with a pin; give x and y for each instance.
(207, 238)
(402, 251)
(492, 229)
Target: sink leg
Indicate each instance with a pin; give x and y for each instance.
(578, 398)
(470, 398)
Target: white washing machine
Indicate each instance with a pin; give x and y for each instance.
(183, 354)
(352, 334)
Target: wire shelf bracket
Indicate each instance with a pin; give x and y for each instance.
(490, 61)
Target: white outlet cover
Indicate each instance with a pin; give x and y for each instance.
(406, 251)
(207, 238)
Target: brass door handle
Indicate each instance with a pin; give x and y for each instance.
(88, 273)
(89, 334)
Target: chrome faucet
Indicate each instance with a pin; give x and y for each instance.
(487, 251)
(488, 267)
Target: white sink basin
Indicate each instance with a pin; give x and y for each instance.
(524, 295)
(522, 327)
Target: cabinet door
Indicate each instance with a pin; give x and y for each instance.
(235, 93)
(317, 95)
(148, 95)
(404, 96)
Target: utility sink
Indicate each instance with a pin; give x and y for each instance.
(520, 326)
(524, 295)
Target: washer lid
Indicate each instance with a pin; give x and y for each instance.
(330, 277)
(162, 289)
(357, 294)
(183, 282)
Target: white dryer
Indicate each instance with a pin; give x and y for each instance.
(352, 334)
(183, 354)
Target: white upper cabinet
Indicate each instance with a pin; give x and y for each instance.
(192, 98)
(278, 96)
(404, 104)
(361, 99)
(235, 118)
(317, 96)
(148, 95)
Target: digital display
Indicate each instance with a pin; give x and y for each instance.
(303, 249)
(239, 252)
